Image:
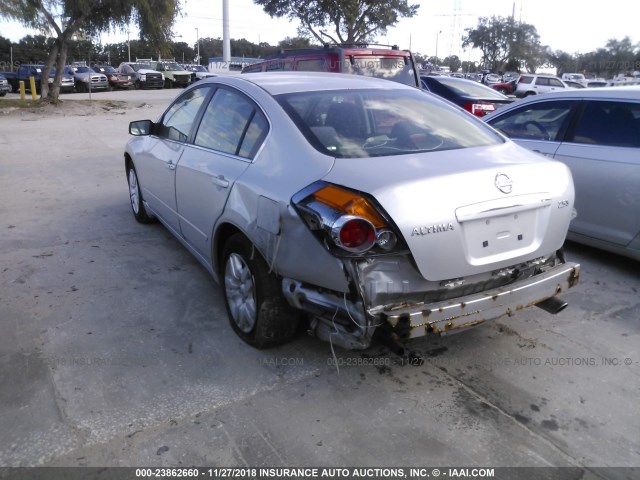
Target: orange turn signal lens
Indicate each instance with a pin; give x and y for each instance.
(350, 203)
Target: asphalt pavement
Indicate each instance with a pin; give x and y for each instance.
(115, 348)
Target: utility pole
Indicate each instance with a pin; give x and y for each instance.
(226, 42)
(198, 45)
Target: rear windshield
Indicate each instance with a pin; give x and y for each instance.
(373, 123)
(398, 69)
(469, 88)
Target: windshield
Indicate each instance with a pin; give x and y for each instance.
(106, 69)
(372, 123)
(140, 66)
(83, 70)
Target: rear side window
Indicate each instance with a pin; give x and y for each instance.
(373, 123)
(525, 79)
(232, 124)
(538, 121)
(609, 123)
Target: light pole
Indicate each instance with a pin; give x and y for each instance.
(198, 44)
(129, 45)
(437, 35)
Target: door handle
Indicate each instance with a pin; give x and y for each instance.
(171, 165)
(220, 181)
(543, 153)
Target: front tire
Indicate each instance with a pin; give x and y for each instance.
(258, 313)
(135, 196)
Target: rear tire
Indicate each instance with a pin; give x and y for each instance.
(258, 313)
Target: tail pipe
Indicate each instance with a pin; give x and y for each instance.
(552, 305)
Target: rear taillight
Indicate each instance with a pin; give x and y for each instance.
(353, 234)
(479, 109)
(345, 220)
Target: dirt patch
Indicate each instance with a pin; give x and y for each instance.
(65, 108)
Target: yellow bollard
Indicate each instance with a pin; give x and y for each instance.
(22, 90)
(32, 84)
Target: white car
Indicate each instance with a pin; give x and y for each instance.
(368, 206)
(534, 84)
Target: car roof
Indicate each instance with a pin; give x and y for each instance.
(620, 92)
(276, 83)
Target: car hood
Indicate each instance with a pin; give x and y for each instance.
(450, 209)
(147, 70)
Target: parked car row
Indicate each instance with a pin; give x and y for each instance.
(82, 78)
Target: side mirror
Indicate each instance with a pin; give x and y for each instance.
(141, 127)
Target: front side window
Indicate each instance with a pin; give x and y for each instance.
(232, 124)
(609, 123)
(555, 83)
(372, 123)
(539, 121)
(177, 121)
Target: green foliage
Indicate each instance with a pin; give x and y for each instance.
(453, 62)
(352, 21)
(296, 42)
(506, 44)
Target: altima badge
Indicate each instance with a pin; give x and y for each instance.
(503, 183)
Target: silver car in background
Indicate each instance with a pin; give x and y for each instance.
(85, 79)
(596, 133)
(367, 205)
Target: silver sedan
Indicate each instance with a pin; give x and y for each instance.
(360, 205)
(596, 133)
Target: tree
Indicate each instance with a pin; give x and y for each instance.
(66, 18)
(295, 42)
(453, 62)
(505, 43)
(353, 21)
(492, 36)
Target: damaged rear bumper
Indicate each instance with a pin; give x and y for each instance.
(418, 320)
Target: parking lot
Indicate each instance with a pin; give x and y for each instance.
(116, 350)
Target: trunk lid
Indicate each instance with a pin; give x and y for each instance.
(468, 211)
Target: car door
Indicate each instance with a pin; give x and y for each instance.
(538, 125)
(603, 153)
(229, 135)
(157, 163)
